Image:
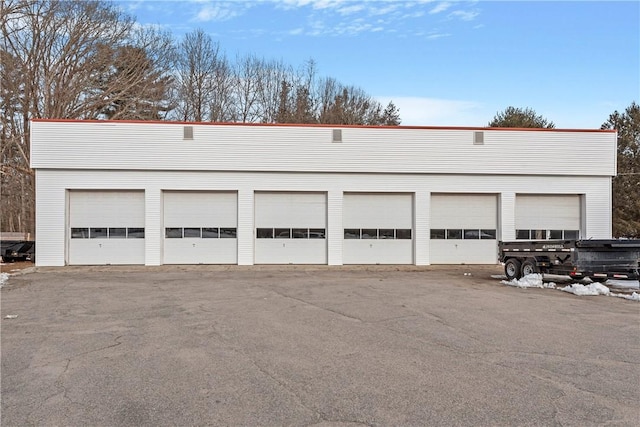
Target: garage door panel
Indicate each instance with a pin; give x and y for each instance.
(107, 251)
(463, 229)
(464, 211)
(291, 251)
(201, 251)
(378, 210)
(106, 208)
(200, 227)
(463, 252)
(378, 252)
(548, 212)
(106, 227)
(378, 228)
(200, 209)
(290, 228)
(290, 210)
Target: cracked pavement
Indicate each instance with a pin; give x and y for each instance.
(312, 346)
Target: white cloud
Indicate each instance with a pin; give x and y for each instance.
(465, 15)
(389, 8)
(219, 11)
(348, 10)
(440, 7)
(435, 36)
(416, 111)
(315, 4)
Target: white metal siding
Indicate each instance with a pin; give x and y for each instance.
(378, 211)
(287, 211)
(106, 209)
(215, 147)
(52, 185)
(547, 212)
(200, 209)
(464, 211)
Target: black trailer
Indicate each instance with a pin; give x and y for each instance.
(18, 250)
(598, 260)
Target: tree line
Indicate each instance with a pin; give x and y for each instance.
(90, 60)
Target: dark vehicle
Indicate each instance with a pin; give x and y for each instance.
(18, 251)
(598, 260)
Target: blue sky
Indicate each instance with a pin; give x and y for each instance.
(443, 63)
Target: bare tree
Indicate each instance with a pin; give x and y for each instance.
(245, 88)
(271, 78)
(198, 66)
(64, 59)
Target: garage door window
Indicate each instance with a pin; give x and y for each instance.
(369, 233)
(386, 233)
(118, 233)
(173, 233)
(98, 233)
(135, 233)
(403, 234)
(283, 233)
(290, 233)
(454, 233)
(547, 234)
(196, 233)
(210, 233)
(351, 233)
(378, 233)
(467, 234)
(79, 233)
(228, 233)
(192, 232)
(107, 233)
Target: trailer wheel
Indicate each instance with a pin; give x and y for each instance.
(512, 269)
(529, 267)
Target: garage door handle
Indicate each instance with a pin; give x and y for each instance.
(194, 245)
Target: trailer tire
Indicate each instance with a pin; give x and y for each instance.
(512, 269)
(529, 267)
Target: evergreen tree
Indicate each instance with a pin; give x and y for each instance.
(513, 117)
(626, 185)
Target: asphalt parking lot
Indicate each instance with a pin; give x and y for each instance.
(321, 346)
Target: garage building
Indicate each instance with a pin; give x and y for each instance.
(115, 192)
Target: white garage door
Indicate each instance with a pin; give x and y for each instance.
(378, 228)
(106, 227)
(464, 229)
(542, 217)
(291, 228)
(200, 227)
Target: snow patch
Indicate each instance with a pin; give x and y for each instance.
(4, 277)
(594, 288)
(591, 289)
(530, 281)
(633, 297)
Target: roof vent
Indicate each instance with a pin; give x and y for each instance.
(337, 135)
(187, 132)
(478, 138)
